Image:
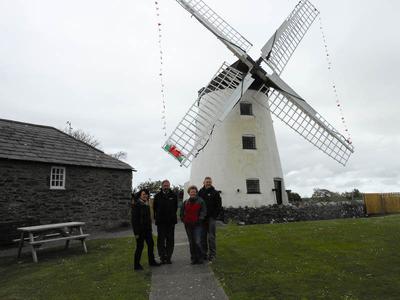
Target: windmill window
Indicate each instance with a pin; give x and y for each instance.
(249, 142)
(57, 178)
(253, 186)
(246, 109)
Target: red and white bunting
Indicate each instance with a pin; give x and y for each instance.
(334, 87)
(161, 72)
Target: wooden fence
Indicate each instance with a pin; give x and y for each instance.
(388, 203)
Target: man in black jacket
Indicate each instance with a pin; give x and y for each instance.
(213, 202)
(165, 207)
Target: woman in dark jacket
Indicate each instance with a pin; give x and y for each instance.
(141, 223)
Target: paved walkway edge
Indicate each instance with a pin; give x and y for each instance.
(183, 281)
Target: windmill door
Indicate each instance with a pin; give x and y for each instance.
(278, 190)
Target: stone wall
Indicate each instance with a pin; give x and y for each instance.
(305, 212)
(99, 197)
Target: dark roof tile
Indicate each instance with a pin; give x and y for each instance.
(30, 142)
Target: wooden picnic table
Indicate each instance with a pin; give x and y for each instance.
(41, 234)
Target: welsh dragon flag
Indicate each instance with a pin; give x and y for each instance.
(174, 151)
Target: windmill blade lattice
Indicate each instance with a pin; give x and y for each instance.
(280, 48)
(227, 87)
(303, 119)
(218, 26)
(194, 130)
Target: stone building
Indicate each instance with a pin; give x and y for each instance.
(47, 176)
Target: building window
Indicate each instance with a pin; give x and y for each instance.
(249, 142)
(246, 109)
(253, 186)
(57, 178)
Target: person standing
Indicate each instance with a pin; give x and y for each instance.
(213, 201)
(193, 212)
(165, 208)
(141, 223)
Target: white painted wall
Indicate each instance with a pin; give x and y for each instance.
(229, 165)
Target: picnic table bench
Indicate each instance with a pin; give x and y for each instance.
(41, 234)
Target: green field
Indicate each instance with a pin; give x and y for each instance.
(340, 259)
(106, 272)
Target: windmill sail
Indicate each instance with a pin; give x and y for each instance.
(218, 26)
(281, 46)
(229, 84)
(290, 108)
(211, 107)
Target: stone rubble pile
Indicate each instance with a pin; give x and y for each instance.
(290, 213)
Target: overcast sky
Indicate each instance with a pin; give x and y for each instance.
(96, 63)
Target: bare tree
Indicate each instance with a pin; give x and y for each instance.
(121, 155)
(89, 139)
(81, 135)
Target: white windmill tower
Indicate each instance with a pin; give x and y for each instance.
(228, 133)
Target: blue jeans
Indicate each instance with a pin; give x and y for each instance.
(208, 238)
(194, 233)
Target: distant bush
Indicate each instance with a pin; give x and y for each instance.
(324, 195)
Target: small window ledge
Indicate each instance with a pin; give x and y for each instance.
(57, 188)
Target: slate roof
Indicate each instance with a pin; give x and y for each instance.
(30, 142)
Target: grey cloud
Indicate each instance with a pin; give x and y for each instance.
(96, 64)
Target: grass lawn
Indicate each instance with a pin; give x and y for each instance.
(340, 259)
(106, 272)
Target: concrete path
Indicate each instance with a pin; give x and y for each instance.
(181, 280)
